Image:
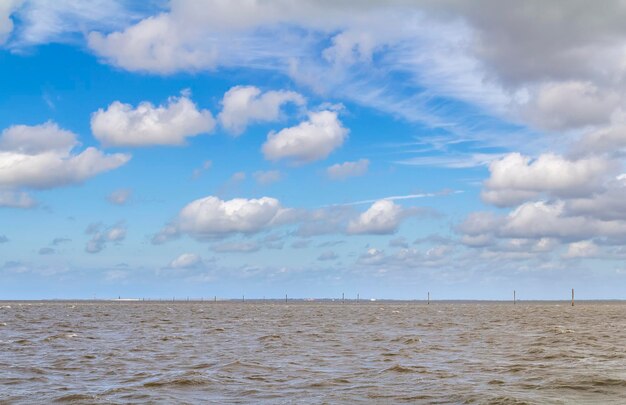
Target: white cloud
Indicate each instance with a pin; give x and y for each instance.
(311, 140)
(571, 104)
(41, 157)
(16, 199)
(537, 220)
(609, 138)
(103, 235)
(210, 217)
(267, 177)
(122, 125)
(7, 7)
(155, 44)
(516, 178)
(436, 256)
(244, 105)
(383, 217)
(606, 205)
(185, 261)
(43, 21)
(342, 171)
(119, 197)
(582, 249)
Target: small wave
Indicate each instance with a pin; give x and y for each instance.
(561, 330)
(269, 337)
(60, 336)
(178, 381)
(74, 398)
(592, 384)
(407, 340)
(399, 369)
(506, 401)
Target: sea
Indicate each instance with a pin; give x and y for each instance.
(312, 352)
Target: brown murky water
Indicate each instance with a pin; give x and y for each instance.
(308, 352)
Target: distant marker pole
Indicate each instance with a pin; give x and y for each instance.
(572, 297)
(342, 298)
(285, 298)
(428, 302)
(357, 297)
(513, 297)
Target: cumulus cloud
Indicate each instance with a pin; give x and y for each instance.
(244, 105)
(406, 257)
(541, 220)
(185, 261)
(491, 53)
(571, 104)
(170, 124)
(342, 171)
(156, 44)
(7, 7)
(119, 197)
(101, 235)
(210, 217)
(608, 204)
(609, 138)
(582, 249)
(311, 140)
(41, 157)
(267, 177)
(382, 217)
(516, 178)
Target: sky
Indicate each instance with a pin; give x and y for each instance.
(201, 148)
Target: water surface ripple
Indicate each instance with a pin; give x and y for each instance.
(312, 352)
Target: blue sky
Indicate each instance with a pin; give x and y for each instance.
(202, 148)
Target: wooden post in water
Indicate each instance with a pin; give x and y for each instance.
(513, 297)
(572, 297)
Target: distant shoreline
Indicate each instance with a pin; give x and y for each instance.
(303, 300)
